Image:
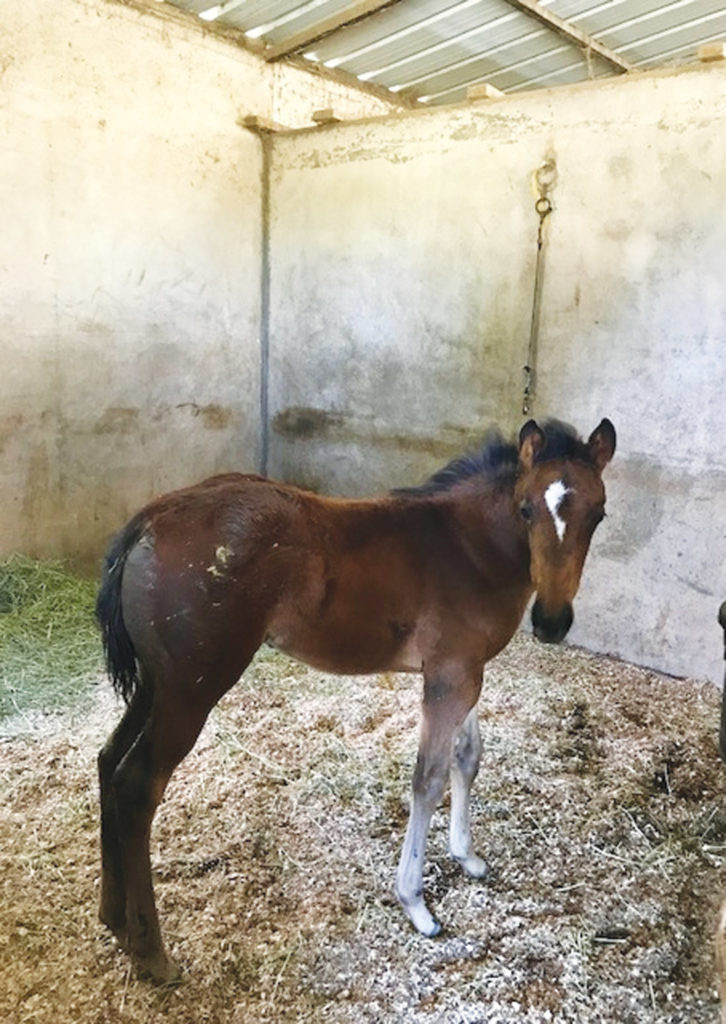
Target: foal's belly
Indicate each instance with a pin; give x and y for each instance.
(349, 622)
(379, 647)
(408, 658)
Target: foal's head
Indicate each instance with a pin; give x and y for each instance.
(560, 496)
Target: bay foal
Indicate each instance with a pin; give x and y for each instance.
(432, 579)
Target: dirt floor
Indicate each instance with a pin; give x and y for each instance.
(601, 807)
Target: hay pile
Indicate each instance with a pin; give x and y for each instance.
(49, 646)
(601, 807)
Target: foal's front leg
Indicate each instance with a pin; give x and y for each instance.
(464, 768)
(449, 696)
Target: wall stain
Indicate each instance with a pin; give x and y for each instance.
(467, 131)
(123, 419)
(631, 530)
(311, 424)
(117, 419)
(303, 421)
(214, 417)
(9, 426)
(656, 495)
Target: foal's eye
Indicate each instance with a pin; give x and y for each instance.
(526, 511)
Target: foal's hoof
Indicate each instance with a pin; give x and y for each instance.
(474, 867)
(158, 967)
(434, 929)
(118, 931)
(424, 922)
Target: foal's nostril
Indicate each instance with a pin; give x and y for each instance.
(551, 629)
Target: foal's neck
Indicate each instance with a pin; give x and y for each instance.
(493, 533)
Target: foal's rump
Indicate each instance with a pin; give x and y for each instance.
(167, 570)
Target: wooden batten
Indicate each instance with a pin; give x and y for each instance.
(325, 116)
(483, 91)
(712, 51)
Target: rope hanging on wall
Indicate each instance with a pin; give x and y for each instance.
(545, 178)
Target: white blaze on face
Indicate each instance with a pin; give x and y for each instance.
(553, 498)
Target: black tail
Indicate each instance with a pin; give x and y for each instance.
(722, 734)
(118, 646)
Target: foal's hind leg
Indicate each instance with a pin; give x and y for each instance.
(464, 768)
(139, 783)
(112, 911)
(449, 696)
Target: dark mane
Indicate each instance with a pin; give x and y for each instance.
(497, 460)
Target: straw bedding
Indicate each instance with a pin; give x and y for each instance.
(600, 807)
(49, 650)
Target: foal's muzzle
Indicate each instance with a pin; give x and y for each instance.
(548, 629)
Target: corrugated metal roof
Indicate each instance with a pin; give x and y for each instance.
(429, 52)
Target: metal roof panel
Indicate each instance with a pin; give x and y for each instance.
(435, 48)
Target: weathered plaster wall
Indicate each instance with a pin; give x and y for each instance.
(401, 283)
(129, 261)
(402, 270)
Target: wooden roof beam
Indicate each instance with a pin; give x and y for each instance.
(571, 33)
(314, 33)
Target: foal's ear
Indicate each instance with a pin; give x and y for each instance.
(602, 444)
(531, 442)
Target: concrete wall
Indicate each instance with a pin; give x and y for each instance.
(402, 257)
(129, 260)
(402, 271)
